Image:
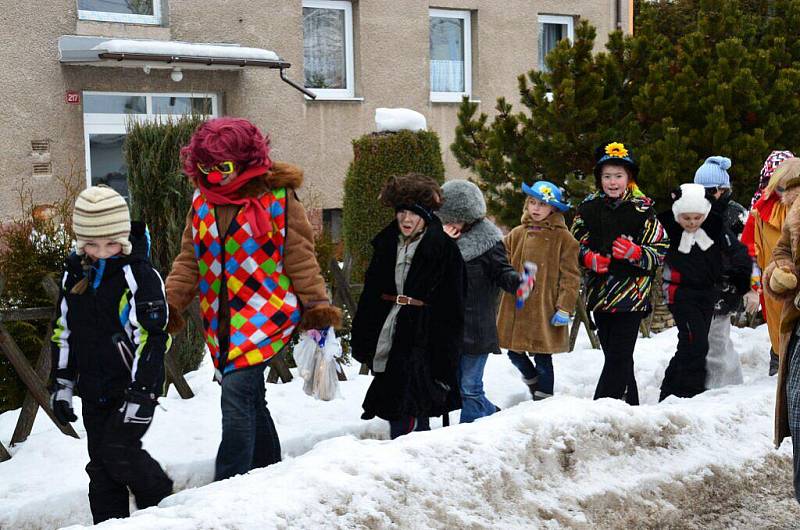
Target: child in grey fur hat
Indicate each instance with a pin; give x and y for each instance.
(481, 245)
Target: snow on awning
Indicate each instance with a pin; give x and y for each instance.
(101, 51)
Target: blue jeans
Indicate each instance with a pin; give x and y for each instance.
(249, 438)
(474, 403)
(542, 371)
(407, 424)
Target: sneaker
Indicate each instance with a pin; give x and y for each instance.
(532, 384)
(539, 395)
(774, 363)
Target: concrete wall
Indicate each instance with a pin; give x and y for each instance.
(391, 69)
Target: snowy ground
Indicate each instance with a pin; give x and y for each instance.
(564, 462)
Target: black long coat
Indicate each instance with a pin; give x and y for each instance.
(421, 376)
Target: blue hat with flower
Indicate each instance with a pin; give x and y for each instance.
(547, 192)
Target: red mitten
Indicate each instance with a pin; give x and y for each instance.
(596, 262)
(625, 248)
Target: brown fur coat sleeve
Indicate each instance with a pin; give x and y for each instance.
(181, 284)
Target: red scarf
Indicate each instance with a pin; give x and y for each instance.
(256, 214)
(765, 205)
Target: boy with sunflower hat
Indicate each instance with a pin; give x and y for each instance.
(621, 246)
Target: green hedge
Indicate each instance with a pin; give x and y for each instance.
(160, 195)
(377, 157)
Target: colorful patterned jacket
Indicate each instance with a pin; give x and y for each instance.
(290, 267)
(599, 221)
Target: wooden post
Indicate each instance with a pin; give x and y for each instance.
(4, 455)
(583, 316)
(278, 368)
(174, 374)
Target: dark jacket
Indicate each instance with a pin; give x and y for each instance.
(421, 373)
(113, 335)
(601, 220)
(721, 270)
(734, 216)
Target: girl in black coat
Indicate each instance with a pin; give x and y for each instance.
(410, 320)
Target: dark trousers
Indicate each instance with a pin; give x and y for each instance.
(541, 371)
(407, 424)
(249, 438)
(618, 333)
(793, 404)
(686, 372)
(117, 463)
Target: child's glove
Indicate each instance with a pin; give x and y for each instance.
(139, 407)
(751, 302)
(61, 401)
(527, 279)
(560, 318)
(596, 262)
(782, 280)
(625, 248)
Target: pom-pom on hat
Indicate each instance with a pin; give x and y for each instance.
(547, 192)
(101, 213)
(463, 202)
(714, 173)
(614, 153)
(691, 199)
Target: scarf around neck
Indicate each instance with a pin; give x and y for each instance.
(256, 214)
(699, 237)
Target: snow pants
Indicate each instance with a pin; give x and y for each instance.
(618, 333)
(722, 363)
(249, 438)
(793, 403)
(117, 463)
(686, 373)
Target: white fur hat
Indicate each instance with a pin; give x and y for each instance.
(692, 200)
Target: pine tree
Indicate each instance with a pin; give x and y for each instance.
(698, 78)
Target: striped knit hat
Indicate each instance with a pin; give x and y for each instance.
(101, 213)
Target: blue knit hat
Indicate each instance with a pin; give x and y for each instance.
(714, 173)
(547, 192)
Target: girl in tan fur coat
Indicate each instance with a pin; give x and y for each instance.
(540, 328)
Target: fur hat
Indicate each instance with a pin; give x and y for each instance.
(714, 173)
(101, 213)
(614, 153)
(413, 191)
(463, 202)
(691, 198)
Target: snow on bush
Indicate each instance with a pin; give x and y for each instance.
(398, 119)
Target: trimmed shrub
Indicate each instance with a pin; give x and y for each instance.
(376, 157)
(160, 195)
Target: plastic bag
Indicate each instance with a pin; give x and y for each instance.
(316, 356)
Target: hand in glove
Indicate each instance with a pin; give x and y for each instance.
(751, 302)
(596, 262)
(782, 280)
(61, 401)
(138, 407)
(625, 248)
(560, 318)
(527, 279)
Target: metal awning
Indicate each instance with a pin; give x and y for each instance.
(148, 53)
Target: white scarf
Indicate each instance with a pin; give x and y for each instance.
(690, 238)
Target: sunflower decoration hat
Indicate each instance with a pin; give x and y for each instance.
(614, 153)
(547, 192)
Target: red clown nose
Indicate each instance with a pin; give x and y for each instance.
(215, 177)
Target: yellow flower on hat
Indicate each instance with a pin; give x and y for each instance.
(617, 150)
(547, 193)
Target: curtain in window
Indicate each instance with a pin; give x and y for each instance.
(324, 48)
(129, 7)
(549, 35)
(447, 54)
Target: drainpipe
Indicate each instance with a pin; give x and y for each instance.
(618, 14)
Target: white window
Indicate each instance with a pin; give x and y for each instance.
(328, 48)
(105, 119)
(132, 11)
(450, 55)
(553, 28)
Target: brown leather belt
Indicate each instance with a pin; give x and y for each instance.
(401, 299)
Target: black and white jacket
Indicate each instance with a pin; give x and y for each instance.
(113, 335)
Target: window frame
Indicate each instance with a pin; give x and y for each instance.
(124, 18)
(116, 123)
(466, 16)
(560, 20)
(350, 77)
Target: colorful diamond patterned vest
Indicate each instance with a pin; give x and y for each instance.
(263, 307)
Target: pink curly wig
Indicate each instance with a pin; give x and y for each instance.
(222, 139)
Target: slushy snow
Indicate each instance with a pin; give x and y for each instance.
(547, 464)
(393, 120)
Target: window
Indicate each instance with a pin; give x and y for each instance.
(328, 48)
(105, 119)
(450, 55)
(553, 28)
(132, 11)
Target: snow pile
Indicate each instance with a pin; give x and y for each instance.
(399, 119)
(560, 462)
(185, 49)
